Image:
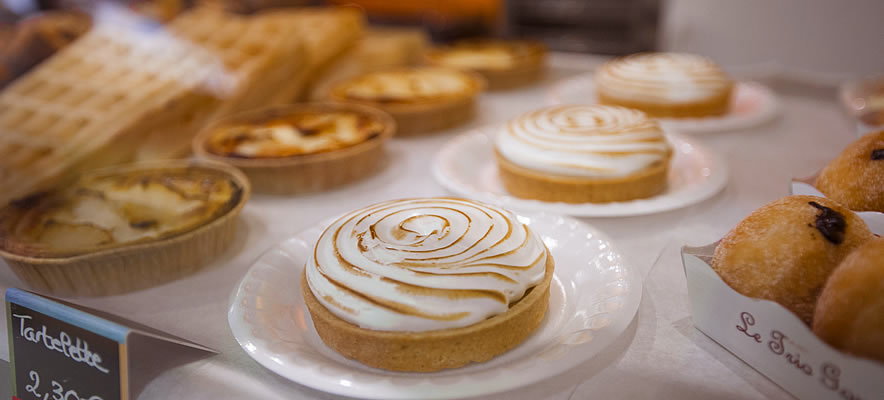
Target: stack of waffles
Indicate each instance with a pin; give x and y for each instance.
(137, 91)
(257, 56)
(326, 33)
(93, 102)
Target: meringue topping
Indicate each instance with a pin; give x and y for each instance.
(583, 140)
(424, 264)
(662, 78)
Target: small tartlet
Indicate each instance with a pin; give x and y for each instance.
(583, 154)
(420, 99)
(299, 148)
(124, 228)
(426, 284)
(665, 85)
(505, 64)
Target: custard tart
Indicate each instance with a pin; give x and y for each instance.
(505, 64)
(427, 284)
(299, 148)
(123, 228)
(420, 99)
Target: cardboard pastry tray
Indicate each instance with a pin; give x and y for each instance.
(774, 341)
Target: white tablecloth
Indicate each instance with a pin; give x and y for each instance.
(661, 355)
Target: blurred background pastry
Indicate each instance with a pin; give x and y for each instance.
(856, 177)
(505, 64)
(420, 99)
(665, 85)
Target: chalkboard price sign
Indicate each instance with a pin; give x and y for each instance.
(58, 361)
(62, 351)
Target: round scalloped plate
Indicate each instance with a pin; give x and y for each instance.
(752, 104)
(593, 298)
(466, 166)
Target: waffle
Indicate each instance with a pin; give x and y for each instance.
(134, 91)
(272, 56)
(91, 103)
(259, 53)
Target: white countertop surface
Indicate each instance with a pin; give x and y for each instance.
(661, 355)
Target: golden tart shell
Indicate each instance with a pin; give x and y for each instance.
(529, 184)
(526, 61)
(422, 114)
(306, 172)
(125, 267)
(433, 350)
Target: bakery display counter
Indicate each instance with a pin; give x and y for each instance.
(655, 351)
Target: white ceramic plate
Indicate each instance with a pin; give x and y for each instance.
(753, 104)
(593, 298)
(466, 166)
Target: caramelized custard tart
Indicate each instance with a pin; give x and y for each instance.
(299, 148)
(420, 99)
(123, 228)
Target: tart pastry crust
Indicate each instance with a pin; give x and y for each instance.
(856, 177)
(849, 314)
(433, 350)
(528, 184)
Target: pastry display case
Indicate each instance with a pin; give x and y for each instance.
(434, 200)
(596, 26)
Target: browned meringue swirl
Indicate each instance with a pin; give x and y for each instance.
(662, 77)
(583, 140)
(424, 264)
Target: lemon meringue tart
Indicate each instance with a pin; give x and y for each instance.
(123, 228)
(299, 148)
(505, 64)
(420, 99)
(665, 85)
(427, 284)
(583, 153)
